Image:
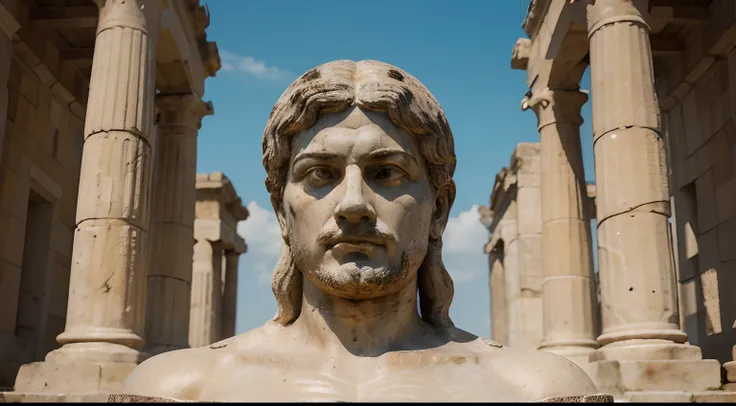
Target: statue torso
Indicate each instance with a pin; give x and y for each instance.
(273, 365)
(423, 375)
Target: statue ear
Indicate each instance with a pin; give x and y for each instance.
(282, 223)
(442, 205)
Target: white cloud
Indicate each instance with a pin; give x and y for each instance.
(462, 246)
(465, 233)
(262, 234)
(462, 252)
(232, 62)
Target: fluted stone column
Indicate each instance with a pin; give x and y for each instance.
(107, 289)
(108, 275)
(567, 261)
(230, 294)
(641, 337)
(206, 299)
(172, 222)
(8, 27)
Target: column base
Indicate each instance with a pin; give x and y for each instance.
(647, 350)
(72, 378)
(682, 397)
(25, 397)
(621, 377)
(96, 352)
(730, 368)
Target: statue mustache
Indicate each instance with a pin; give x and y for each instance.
(332, 236)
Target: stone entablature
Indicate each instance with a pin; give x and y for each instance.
(216, 251)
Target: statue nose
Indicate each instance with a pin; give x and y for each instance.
(354, 207)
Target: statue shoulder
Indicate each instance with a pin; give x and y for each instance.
(171, 374)
(542, 374)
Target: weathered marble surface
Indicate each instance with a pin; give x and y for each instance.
(121, 398)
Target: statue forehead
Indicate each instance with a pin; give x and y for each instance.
(373, 128)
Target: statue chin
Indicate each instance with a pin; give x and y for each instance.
(358, 280)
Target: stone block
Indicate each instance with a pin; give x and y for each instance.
(14, 241)
(721, 396)
(619, 377)
(708, 255)
(29, 89)
(726, 236)
(647, 350)
(25, 397)
(112, 376)
(726, 197)
(529, 201)
(15, 194)
(658, 397)
(72, 378)
(711, 301)
(707, 213)
(692, 310)
(9, 290)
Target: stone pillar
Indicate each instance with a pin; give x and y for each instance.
(172, 222)
(642, 342)
(230, 294)
(206, 299)
(8, 27)
(567, 260)
(499, 302)
(107, 288)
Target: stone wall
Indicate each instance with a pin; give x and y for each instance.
(514, 251)
(699, 124)
(39, 175)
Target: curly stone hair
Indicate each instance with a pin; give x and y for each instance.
(332, 88)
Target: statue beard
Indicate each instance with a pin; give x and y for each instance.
(356, 280)
(435, 287)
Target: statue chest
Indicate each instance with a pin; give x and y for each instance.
(397, 378)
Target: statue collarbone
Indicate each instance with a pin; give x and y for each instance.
(359, 160)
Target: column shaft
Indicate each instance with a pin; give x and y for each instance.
(206, 299)
(107, 289)
(230, 294)
(172, 222)
(569, 325)
(635, 251)
(6, 50)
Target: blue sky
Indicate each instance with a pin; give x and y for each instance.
(460, 51)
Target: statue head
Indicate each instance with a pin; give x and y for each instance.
(359, 160)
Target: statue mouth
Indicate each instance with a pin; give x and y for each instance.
(355, 243)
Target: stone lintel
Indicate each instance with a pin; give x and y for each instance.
(217, 186)
(535, 16)
(194, 56)
(8, 24)
(218, 230)
(521, 53)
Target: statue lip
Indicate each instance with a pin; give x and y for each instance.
(355, 240)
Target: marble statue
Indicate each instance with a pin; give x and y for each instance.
(359, 160)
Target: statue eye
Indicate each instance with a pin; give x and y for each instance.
(320, 175)
(388, 174)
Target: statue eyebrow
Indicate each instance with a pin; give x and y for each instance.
(386, 153)
(319, 156)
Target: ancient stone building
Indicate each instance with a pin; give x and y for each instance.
(515, 251)
(100, 106)
(663, 141)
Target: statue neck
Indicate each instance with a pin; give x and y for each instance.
(363, 328)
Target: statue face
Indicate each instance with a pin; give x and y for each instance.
(358, 205)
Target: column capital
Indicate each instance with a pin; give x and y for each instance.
(556, 106)
(605, 12)
(182, 110)
(140, 15)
